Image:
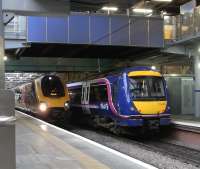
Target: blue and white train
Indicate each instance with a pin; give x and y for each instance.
(132, 97)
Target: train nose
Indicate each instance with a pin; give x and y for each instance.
(150, 107)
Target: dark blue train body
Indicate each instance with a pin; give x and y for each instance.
(133, 97)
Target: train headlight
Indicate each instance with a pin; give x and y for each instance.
(66, 105)
(43, 106)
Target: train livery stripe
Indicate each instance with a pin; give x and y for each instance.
(112, 107)
(144, 73)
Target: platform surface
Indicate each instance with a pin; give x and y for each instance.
(186, 120)
(40, 145)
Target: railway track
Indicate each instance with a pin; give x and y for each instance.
(162, 146)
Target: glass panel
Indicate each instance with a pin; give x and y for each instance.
(146, 88)
(16, 29)
(52, 87)
(98, 93)
(75, 95)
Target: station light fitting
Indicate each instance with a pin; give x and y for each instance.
(110, 8)
(199, 49)
(143, 10)
(166, 17)
(5, 58)
(199, 65)
(153, 67)
(164, 13)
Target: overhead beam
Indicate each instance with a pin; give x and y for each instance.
(35, 64)
(177, 49)
(37, 7)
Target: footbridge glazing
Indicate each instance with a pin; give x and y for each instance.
(97, 29)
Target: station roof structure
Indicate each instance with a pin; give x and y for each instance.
(91, 5)
(94, 51)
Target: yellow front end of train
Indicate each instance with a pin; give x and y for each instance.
(46, 97)
(151, 99)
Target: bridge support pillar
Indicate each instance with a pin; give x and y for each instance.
(2, 66)
(7, 111)
(196, 62)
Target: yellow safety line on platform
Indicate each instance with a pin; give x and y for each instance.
(84, 160)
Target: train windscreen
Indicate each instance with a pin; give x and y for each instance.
(146, 88)
(52, 87)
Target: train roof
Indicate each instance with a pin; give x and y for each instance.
(114, 72)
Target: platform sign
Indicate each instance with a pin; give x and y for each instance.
(37, 7)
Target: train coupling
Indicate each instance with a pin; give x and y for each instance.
(153, 124)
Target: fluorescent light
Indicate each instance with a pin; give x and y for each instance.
(164, 13)
(5, 58)
(142, 10)
(166, 17)
(109, 8)
(162, 0)
(199, 65)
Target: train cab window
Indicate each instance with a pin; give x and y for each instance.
(147, 88)
(156, 87)
(52, 87)
(98, 93)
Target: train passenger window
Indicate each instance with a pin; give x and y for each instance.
(98, 93)
(33, 94)
(115, 90)
(75, 95)
(52, 87)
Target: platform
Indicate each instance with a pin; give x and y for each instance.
(188, 121)
(40, 145)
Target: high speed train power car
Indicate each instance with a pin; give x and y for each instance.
(46, 97)
(132, 97)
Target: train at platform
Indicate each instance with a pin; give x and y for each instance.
(129, 98)
(45, 97)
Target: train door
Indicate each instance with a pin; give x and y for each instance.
(85, 97)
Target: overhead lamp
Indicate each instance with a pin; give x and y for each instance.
(162, 0)
(166, 17)
(109, 8)
(5, 58)
(164, 13)
(142, 10)
(199, 65)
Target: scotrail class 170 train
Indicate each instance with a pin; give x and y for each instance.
(132, 97)
(46, 97)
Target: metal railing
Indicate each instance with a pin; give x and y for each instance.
(16, 29)
(182, 27)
